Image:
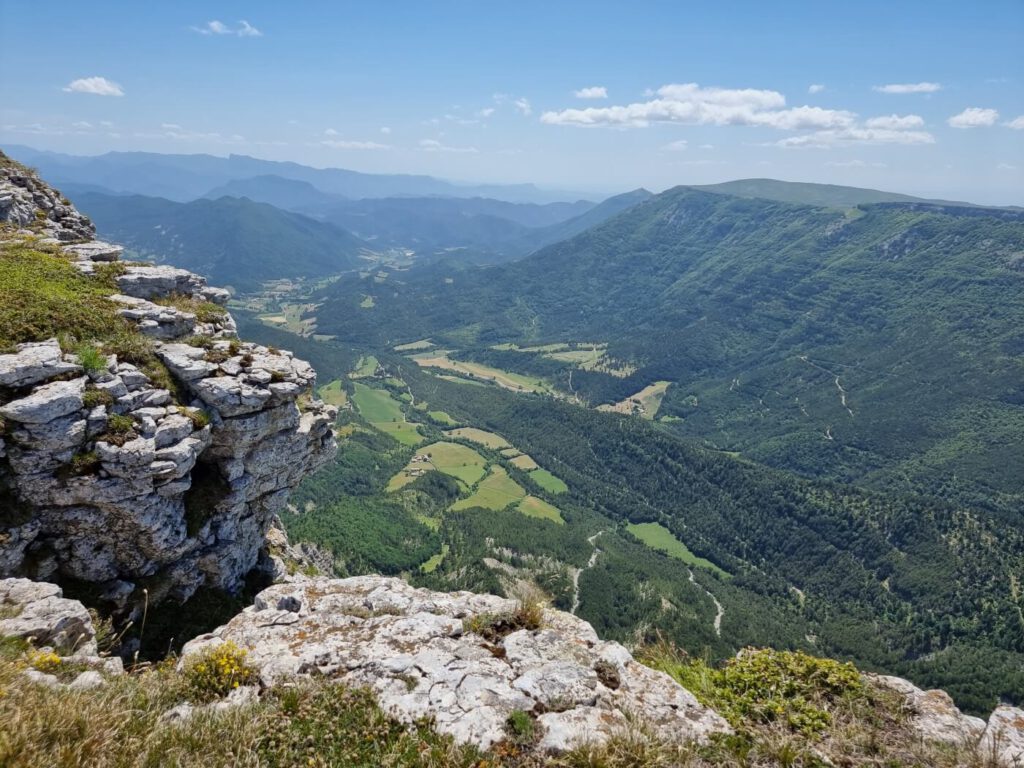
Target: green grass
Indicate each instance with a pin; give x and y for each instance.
(480, 437)
(548, 482)
(43, 295)
(657, 536)
(496, 491)
(366, 367)
(442, 418)
(414, 346)
(524, 462)
(534, 507)
(385, 413)
(332, 393)
(435, 561)
(453, 459)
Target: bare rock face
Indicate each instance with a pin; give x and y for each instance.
(108, 477)
(413, 649)
(933, 714)
(1003, 740)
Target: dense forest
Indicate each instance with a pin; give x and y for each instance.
(879, 345)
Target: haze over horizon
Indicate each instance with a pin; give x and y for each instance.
(591, 98)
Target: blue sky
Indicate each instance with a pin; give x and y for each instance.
(920, 97)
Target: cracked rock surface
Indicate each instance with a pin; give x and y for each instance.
(411, 648)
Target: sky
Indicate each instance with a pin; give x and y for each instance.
(925, 98)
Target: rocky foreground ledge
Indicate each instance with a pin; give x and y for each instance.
(457, 659)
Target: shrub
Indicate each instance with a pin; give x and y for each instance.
(520, 727)
(199, 417)
(94, 397)
(91, 358)
(45, 661)
(217, 671)
(528, 614)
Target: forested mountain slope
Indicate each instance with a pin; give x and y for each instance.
(880, 344)
(232, 241)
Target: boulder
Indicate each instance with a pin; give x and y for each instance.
(1003, 740)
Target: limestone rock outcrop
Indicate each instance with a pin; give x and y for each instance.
(416, 650)
(933, 715)
(111, 477)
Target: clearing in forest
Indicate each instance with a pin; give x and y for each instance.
(524, 462)
(482, 373)
(384, 413)
(657, 536)
(548, 482)
(453, 459)
(332, 393)
(534, 507)
(496, 491)
(366, 367)
(414, 346)
(480, 437)
(644, 403)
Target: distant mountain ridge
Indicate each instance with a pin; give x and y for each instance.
(233, 241)
(186, 177)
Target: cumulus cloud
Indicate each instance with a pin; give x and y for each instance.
(1017, 123)
(858, 135)
(344, 144)
(523, 105)
(974, 117)
(98, 86)
(330, 132)
(692, 104)
(485, 113)
(676, 146)
(816, 88)
(593, 92)
(433, 145)
(908, 88)
(896, 122)
(214, 27)
(82, 125)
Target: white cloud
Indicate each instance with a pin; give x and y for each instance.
(487, 112)
(974, 117)
(98, 86)
(1017, 123)
(857, 135)
(896, 122)
(433, 145)
(691, 104)
(816, 88)
(908, 88)
(676, 146)
(330, 132)
(106, 124)
(385, 130)
(593, 92)
(1006, 167)
(170, 126)
(523, 105)
(82, 124)
(343, 144)
(244, 29)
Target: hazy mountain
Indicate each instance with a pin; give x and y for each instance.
(232, 241)
(591, 218)
(830, 195)
(187, 177)
(291, 195)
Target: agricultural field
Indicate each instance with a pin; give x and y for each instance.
(534, 507)
(384, 413)
(657, 536)
(435, 561)
(414, 346)
(332, 393)
(289, 318)
(644, 403)
(365, 368)
(548, 482)
(587, 356)
(480, 437)
(441, 417)
(453, 459)
(482, 373)
(524, 462)
(496, 491)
